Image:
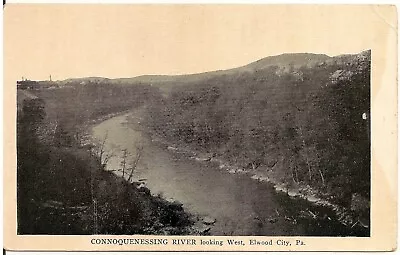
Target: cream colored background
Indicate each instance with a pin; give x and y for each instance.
(128, 40)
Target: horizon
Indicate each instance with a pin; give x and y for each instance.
(116, 41)
(183, 74)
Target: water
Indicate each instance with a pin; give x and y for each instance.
(240, 205)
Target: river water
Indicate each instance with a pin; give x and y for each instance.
(240, 205)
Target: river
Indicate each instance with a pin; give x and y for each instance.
(240, 205)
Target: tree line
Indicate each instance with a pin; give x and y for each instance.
(316, 127)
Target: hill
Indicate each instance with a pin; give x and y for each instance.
(166, 82)
(299, 119)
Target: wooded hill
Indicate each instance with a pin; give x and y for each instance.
(62, 184)
(167, 82)
(303, 118)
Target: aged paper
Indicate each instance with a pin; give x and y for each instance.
(200, 127)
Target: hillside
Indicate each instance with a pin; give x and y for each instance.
(295, 59)
(303, 123)
(300, 121)
(63, 187)
(166, 82)
(301, 112)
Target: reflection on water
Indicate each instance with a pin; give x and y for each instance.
(240, 205)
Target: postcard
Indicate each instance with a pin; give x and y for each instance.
(179, 127)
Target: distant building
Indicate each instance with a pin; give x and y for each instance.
(27, 84)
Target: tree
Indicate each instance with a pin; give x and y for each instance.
(139, 151)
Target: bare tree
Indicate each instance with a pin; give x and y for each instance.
(123, 163)
(107, 157)
(129, 169)
(102, 148)
(101, 153)
(139, 151)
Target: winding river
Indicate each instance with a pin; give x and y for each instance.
(239, 204)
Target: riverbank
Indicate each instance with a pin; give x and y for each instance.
(312, 195)
(193, 224)
(345, 216)
(63, 188)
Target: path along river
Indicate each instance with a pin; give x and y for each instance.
(240, 205)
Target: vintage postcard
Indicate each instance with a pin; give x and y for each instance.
(200, 127)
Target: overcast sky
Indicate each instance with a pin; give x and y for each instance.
(126, 40)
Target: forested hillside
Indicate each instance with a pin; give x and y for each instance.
(302, 118)
(68, 108)
(62, 185)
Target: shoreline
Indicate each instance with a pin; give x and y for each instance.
(199, 226)
(301, 191)
(304, 192)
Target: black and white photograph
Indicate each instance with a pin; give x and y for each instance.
(277, 147)
(190, 124)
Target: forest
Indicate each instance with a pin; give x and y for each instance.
(62, 186)
(303, 119)
(303, 124)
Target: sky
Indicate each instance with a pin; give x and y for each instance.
(129, 40)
